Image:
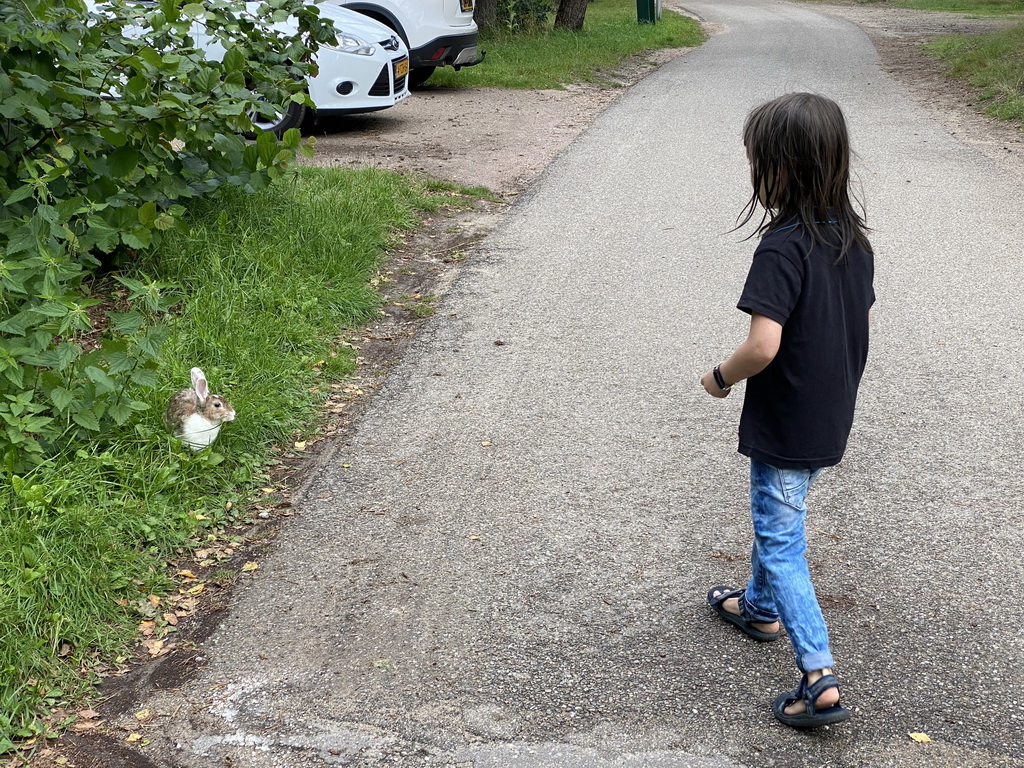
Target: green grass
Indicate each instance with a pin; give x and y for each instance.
(269, 281)
(993, 63)
(972, 7)
(969, 7)
(553, 58)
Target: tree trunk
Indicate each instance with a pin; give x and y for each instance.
(570, 14)
(486, 14)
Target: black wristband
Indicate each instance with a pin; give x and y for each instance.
(719, 380)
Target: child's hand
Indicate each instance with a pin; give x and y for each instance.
(711, 386)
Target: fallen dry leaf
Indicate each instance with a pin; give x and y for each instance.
(133, 737)
(154, 600)
(143, 714)
(920, 738)
(147, 628)
(171, 619)
(154, 647)
(184, 574)
(88, 714)
(250, 567)
(299, 445)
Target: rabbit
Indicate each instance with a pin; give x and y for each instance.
(195, 416)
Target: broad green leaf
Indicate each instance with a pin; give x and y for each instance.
(150, 113)
(120, 413)
(50, 309)
(138, 238)
(144, 377)
(267, 144)
(292, 138)
(115, 138)
(19, 323)
(104, 384)
(147, 214)
(150, 56)
(233, 61)
(123, 160)
(35, 423)
(102, 233)
(61, 398)
(19, 194)
(67, 353)
(86, 418)
(126, 323)
(66, 151)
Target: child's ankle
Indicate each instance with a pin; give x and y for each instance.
(816, 674)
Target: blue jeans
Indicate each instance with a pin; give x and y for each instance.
(780, 582)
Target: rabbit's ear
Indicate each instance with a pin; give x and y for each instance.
(199, 385)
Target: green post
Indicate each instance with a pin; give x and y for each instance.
(645, 11)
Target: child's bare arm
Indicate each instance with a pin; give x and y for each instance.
(750, 357)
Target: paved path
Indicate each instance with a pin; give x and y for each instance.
(507, 565)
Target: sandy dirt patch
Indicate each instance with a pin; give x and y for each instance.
(489, 137)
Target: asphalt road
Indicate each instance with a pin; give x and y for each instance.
(506, 566)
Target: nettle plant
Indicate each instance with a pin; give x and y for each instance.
(110, 119)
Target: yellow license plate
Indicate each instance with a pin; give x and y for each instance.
(401, 68)
(467, 6)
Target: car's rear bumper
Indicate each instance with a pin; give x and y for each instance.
(450, 50)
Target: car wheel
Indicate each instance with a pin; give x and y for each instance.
(293, 117)
(419, 76)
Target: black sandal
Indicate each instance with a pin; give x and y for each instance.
(813, 717)
(717, 604)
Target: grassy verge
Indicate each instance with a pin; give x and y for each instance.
(552, 58)
(268, 282)
(971, 7)
(993, 63)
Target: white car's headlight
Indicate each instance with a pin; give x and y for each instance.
(351, 44)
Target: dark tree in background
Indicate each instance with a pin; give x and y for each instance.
(570, 14)
(529, 15)
(486, 14)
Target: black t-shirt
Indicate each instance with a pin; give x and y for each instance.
(798, 411)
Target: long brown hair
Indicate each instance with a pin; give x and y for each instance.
(799, 153)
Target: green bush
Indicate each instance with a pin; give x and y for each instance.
(108, 121)
(524, 15)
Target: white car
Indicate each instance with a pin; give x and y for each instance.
(366, 70)
(438, 32)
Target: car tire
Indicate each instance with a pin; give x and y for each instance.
(293, 117)
(420, 75)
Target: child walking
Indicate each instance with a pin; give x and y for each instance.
(808, 293)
